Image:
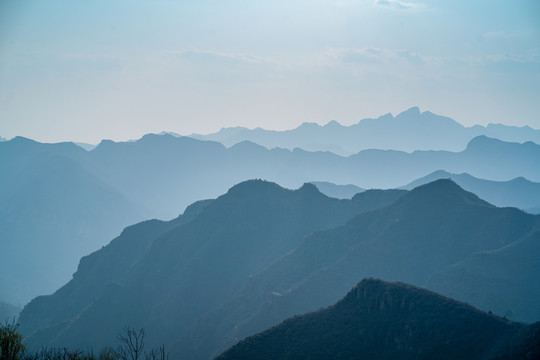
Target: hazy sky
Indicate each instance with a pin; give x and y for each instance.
(87, 70)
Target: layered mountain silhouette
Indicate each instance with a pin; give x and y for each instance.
(337, 191)
(98, 273)
(260, 254)
(422, 235)
(519, 192)
(409, 131)
(59, 196)
(185, 166)
(52, 211)
(62, 196)
(381, 320)
(85, 146)
(164, 275)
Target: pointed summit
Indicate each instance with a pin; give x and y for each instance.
(438, 186)
(382, 320)
(375, 295)
(309, 188)
(104, 145)
(410, 113)
(441, 193)
(332, 124)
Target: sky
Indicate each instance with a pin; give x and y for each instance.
(86, 70)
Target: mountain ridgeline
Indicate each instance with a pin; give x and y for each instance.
(52, 196)
(337, 191)
(519, 192)
(165, 275)
(422, 235)
(237, 265)
(53, 210)
(408, 131)
(381, 320)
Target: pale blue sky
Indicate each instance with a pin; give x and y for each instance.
(86, 70)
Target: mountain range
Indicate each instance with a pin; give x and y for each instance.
(163, 275)
(381, 320)
(231, 267)
(408, 131)
(424, 235)
(52, 212)
(519, 192)
(53, 195)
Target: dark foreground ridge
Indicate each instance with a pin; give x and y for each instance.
(383, 320)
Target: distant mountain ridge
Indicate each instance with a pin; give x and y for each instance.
(381, 320)
(159, 175)
(408, 131)
(85, 146)
(53, 211)
(519, 192)
(337, 191)
(483, 157)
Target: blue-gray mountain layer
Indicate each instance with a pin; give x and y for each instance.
(337, 191)
(59, 196)
(53, 210)
(409, 131)
(422, 236)
(260, 254)
(381, 320)
(519, 192)
(165, 275)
